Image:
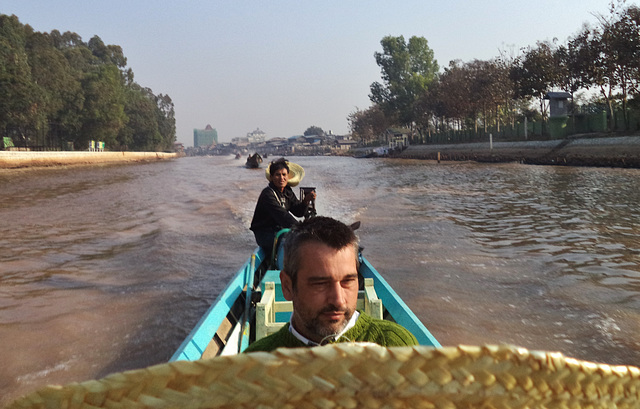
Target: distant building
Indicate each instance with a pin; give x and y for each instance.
(242, 141)
(205, 137)
(344, 143)
(396, 137)
(256, 136)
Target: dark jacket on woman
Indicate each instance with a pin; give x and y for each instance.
(272, 213)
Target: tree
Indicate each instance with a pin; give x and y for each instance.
(454, 91)
(408, 69)
(21, 115)
(104, 106)
(166, 120)
(607, 57)
(314, 130)
(620, 51)
(60, 87)
(368, 125)
(428, 108)
(107, 54)
(477, 91)
(54, 88)
(141, 132)
(535, 73)
(491, 91)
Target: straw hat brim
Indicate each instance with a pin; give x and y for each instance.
(352, 375)
(296, 174)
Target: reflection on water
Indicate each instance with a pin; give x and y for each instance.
(105, 269)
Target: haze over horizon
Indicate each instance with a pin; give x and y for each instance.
(285, 66)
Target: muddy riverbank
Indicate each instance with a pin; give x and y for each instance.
(21, 159)
(614, 151)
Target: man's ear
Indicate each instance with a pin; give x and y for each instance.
(287, 285)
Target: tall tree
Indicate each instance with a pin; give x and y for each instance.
(491, 91)
(107, 54)
(104, 106)
(620, 50)
(166, 120)
(535, 73)
(428, 108)
(408, 69)
(21, 115)
(54, 88)
(454, 91)
(61, 88)
(141, 132)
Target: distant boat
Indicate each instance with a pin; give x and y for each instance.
(238, 156)
(254, 161)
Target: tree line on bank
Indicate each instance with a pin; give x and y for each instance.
(58, 92)
(478, 94)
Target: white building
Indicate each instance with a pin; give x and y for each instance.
(256, 136)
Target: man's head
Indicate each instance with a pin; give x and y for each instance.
(279, 171)
(320, 276)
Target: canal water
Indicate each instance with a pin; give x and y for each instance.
(107, 268)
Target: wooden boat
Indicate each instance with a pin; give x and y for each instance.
(254, 161)
(252, 306)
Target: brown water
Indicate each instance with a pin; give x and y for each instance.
(105, 269)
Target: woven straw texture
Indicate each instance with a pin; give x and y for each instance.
(356, 376)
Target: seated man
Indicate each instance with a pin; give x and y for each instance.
(320, 277)
(276, 204)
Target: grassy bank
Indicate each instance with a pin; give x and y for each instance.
(20, 159)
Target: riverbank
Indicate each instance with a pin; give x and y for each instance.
(612, 151)
(21, 159)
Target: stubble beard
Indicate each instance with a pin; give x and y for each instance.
(322, 329)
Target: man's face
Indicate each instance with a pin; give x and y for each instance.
(280, 178)
(326, 292)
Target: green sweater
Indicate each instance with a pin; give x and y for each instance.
(367, 329)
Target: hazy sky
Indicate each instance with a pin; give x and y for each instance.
(283, 66)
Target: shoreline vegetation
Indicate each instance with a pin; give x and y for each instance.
(26, 159)
(63, 93)
(589, 83)
(595, 151)
(60, 93)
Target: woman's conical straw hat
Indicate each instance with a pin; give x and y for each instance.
(296, 173)
(351, 375)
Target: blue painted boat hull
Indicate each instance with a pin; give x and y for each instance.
(227, 326)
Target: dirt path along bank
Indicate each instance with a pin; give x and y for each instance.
(618, 151)
(21, 159)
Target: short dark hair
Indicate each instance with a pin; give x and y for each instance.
(278, 164)
(319, 229)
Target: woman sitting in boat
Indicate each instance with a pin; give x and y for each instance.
(320, 278)
(277, 202)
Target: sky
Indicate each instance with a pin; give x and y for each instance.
(283, 66)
